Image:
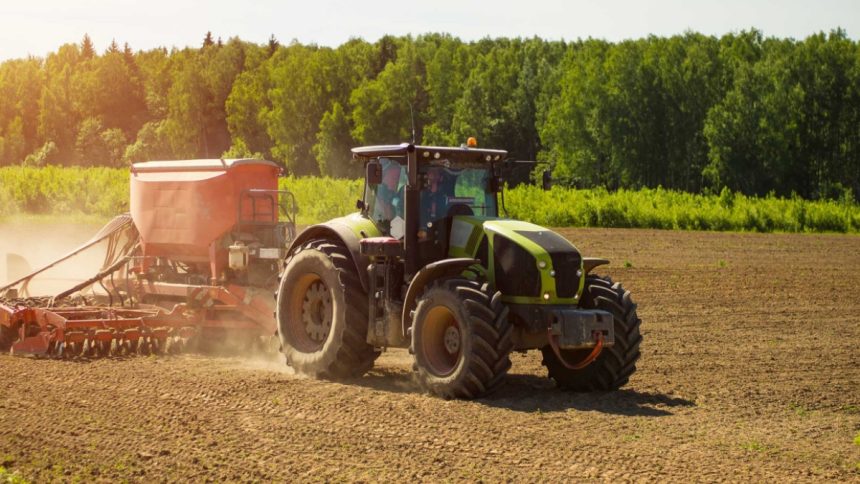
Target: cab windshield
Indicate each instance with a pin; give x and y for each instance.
(446, 191)
(450, 191)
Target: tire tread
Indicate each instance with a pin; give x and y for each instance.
(491, 342)
(613, 368)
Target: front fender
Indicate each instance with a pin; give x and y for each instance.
(428, 273)
(589, 263)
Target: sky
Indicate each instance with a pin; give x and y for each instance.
(37, 27)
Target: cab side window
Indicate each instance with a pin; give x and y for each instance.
(385, 200)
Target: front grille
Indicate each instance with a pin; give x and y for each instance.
(565, 265)
(566, 260)
(516, 270)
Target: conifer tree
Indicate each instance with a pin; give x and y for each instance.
(128, 54)
(87, 49)
(273, 45)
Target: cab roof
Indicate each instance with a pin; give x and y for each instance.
(430, 153)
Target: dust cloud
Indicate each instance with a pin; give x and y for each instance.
(40, 244)
(265, 362)
(245, 351)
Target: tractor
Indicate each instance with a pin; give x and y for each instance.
(428, 264)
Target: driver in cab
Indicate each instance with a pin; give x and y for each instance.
(434, 200)
(389, 194)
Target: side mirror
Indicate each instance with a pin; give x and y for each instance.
(373, 173)
(547, 180)
(359, 204)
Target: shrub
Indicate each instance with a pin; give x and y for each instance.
(104, 192)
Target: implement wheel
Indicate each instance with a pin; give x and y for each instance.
(8, 336)
(612, 369)
(461, 339)
(322, 313)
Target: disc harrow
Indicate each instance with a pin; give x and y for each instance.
(68, 332)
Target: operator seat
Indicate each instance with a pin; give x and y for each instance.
(460, 209)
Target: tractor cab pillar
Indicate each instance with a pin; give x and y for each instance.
(413, 199)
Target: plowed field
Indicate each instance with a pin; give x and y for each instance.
(750, 370)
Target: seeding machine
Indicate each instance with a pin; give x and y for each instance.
(196, 260)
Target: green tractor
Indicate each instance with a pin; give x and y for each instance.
(428, 264)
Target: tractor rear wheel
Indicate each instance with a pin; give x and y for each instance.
(322, 313)
(461, 339)
(612, 369)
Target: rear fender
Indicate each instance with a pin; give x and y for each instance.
(427, 274)
(341, 233)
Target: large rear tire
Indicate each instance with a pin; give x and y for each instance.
(322, 313)
(612, 369)
(461, 339)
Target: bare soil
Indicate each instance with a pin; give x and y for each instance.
(750, 371)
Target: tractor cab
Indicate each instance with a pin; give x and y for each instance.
(413, 193)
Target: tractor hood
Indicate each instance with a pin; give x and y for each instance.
(527, 262)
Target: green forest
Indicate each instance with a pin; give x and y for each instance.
(754, 114)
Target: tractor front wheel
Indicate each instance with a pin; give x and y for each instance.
(613, 367)
(461, 339)
(322, 313)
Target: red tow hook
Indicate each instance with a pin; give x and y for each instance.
(586, 361)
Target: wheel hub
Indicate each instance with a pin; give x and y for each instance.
(452, 340)
(317, 312)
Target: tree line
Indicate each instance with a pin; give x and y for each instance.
(690, 112)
